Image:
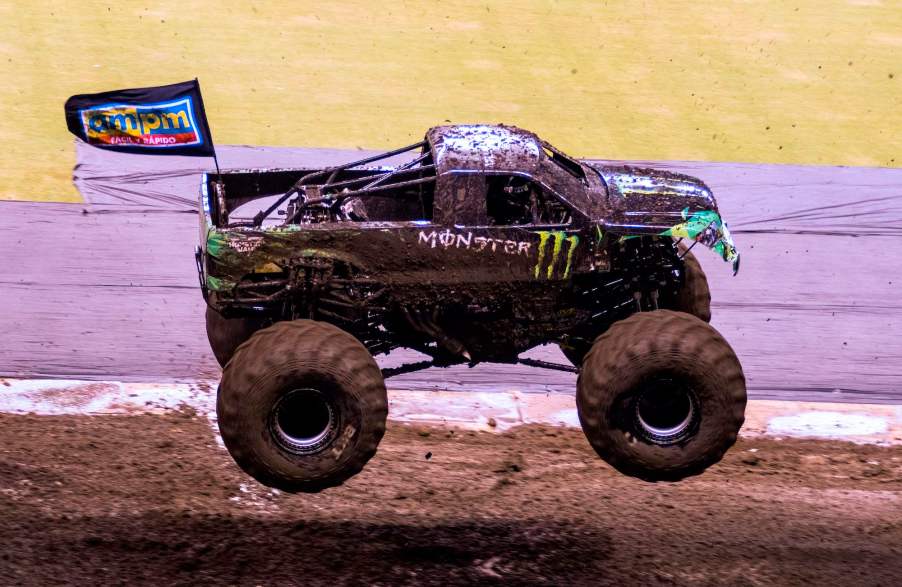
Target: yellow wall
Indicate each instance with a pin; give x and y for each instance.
(809, 81)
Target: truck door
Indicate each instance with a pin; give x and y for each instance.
(502, 228)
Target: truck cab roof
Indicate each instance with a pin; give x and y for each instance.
(482, 147)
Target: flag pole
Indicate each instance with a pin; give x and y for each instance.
(209, 130)
(216, 161)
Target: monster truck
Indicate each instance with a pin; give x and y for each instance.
(475, 244)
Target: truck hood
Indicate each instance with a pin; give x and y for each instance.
(642, 188)
(644, 201)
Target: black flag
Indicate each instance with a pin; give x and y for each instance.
(165, 120)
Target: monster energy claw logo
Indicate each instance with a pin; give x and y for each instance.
(556, 240)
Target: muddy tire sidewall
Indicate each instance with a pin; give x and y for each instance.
(302, 356)
(678, 347)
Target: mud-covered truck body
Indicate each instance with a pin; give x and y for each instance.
(475, 244)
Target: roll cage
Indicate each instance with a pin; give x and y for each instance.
(431, 185)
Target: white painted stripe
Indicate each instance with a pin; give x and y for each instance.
(828, 425)
(495, 411)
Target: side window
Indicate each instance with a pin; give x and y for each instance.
(512, 200)
(509, 200)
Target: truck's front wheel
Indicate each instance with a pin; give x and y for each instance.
(302, 406)
(661, 396)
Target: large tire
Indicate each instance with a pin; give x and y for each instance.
(694, 297)
(226, 334)
(661, 396)
(302, 406)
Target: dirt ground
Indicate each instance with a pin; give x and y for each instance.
(153, 499)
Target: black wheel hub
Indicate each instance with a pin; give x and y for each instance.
(665, 411)
(304, 421)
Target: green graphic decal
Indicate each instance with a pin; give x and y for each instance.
(216, 242)
(557, 251)
(543, 238)
(214, 283)
(574, 240)
(217, 284)
(694, 225)
(726, 248)
(707, 227)
(557, 238)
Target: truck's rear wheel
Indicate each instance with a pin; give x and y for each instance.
(302, 406)
(694, 297)
(661, 396)
(226, 334)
